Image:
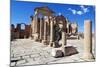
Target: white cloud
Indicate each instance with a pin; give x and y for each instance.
(79, 12)
(82, 10)
(72, 10)
(85, 10)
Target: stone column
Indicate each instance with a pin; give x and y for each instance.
(87, 55)
(36, 21)
(41, 29)
(51, 33)
(36, 24)
(48, 29)
(32, 28)
(44, 41)
(68, 27)
(63, 41)
(64, 38)
(36, 35)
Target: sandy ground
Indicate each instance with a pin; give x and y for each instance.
(28, 52)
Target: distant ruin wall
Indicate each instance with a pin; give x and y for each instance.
(18, 33)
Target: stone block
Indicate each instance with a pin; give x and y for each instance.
(70, 50)
(56, 52)
(59, 52)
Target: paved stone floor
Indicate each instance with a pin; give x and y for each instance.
(28, 52)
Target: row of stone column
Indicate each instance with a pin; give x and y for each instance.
(43, 30)
(42, 35)
(40, 29)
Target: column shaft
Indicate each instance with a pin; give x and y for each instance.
(33, 26)
(44, 41)
(36, 34)
(45, 30)
(64, 38)
(63, 42)
(36, 24)
(51, 33)
(87, 55)
(41, 25)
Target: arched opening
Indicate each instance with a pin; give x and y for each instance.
(22, 26)
(22, 32)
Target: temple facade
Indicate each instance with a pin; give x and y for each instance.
(47, 28)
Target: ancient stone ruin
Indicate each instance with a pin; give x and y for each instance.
(53, 31)
(18, 33)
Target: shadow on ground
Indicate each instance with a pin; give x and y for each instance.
(70, 50)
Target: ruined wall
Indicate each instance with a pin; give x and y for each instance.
(18, 33)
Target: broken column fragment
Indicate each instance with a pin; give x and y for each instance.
(57, 52)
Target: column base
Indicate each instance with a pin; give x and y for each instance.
(52, 44)
(44, 42)
(88, 57)
(35, 37)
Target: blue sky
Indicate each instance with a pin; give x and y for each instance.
(21, 12)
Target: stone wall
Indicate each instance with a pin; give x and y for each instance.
(18, 33)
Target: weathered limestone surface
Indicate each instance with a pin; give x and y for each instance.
(88, 55)
(41, 29)
(44, 41)
(63, 42)
(51, 32)
(57, 52)
(33, 53)
(35, 30)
